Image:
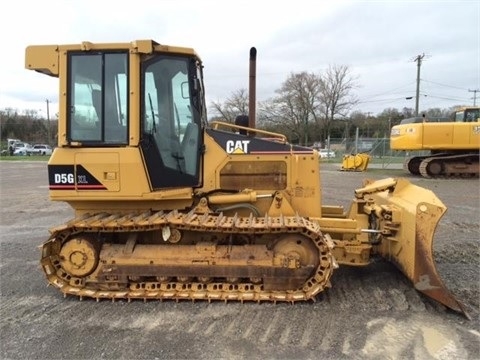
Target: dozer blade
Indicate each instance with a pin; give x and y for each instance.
(415, 213)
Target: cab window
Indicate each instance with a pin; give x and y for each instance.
(98, 107)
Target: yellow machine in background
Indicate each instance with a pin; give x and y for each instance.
(168, 206)
(454, 144)
(355, 162)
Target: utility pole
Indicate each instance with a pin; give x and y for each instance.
(48, 121)
(474, 96)
(418, 59)
(368, 114)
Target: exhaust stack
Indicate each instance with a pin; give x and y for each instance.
(252, 88)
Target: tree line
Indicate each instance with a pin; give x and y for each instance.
(307, 108)
(312, 107)
(27, 126)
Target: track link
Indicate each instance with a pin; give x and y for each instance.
(98, 225)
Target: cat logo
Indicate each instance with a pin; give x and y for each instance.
(237, 146)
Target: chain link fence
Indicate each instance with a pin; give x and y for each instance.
(378, 149)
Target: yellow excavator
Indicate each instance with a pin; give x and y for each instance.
(453, 144)
(170, 206)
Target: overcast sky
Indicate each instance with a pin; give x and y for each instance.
(378, 40)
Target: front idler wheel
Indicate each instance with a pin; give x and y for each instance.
(79, 256)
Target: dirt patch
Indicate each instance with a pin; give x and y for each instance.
(370, 312)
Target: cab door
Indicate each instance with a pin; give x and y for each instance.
(171, 136)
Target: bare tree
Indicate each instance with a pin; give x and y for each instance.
(273, 116)
(391, 117)
(292, 108)
(336, 98)
(408, 112)
(236, 104)
(308, 101)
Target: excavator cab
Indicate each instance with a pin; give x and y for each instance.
(467, 114)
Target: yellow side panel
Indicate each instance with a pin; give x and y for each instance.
(451, 136)
(104, 168)
(470, 131)
(305, 185)
(121, 172)
(437, 135)
(255, 174)
(475, 135)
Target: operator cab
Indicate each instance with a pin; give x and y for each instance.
(100, 84)
(467, 115)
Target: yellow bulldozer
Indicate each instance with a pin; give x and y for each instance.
(169, 206)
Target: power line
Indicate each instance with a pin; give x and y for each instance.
(381, 100)
(474, 95)
(445, 98)
(450, 86)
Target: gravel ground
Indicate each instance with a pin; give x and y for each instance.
(369, 313)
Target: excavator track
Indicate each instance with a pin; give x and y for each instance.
(228, 258)
(412, 164)
(450, 166)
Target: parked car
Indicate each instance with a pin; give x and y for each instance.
(325, 153)
(22, 149)
(41, 149)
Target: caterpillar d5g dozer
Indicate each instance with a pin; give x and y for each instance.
(168, 206)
